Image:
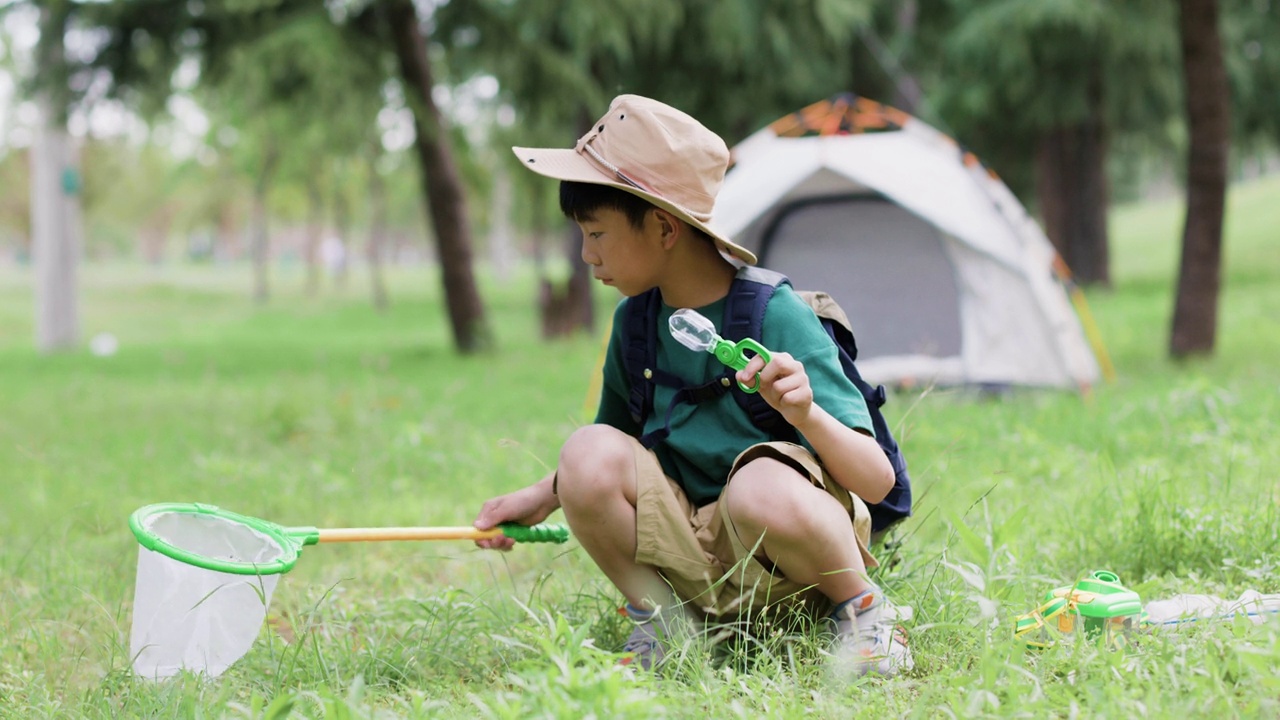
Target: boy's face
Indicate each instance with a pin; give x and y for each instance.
(620, 255)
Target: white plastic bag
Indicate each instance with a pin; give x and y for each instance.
(1182, 610)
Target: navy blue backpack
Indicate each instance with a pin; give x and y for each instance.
(743, 318)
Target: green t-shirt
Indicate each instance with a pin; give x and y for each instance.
(706, 437)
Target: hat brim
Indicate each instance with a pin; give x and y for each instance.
(570, 165)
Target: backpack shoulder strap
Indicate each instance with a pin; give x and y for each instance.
(640, 363)
(640, 351)
(744, 307)
(744, 310)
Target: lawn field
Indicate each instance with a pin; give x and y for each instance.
(323, 412)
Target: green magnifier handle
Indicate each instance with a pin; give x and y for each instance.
(552, 533)
(734, 355)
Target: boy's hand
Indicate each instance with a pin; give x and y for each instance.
(783, 384)
(854, 459)
(527, 506)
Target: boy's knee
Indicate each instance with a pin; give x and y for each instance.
(594, 459)
(764, 490)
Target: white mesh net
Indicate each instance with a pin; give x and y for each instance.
(187, 617)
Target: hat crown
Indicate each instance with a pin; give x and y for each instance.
(661, 150)
(653, 151)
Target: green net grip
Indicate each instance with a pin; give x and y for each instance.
(552, 533)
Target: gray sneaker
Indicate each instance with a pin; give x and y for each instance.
(643, 647)
(653, 632)
(871, 641)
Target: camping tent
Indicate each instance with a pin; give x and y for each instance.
(944, 276)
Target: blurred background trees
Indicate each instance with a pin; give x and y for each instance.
(1040, 90)
(348, 134)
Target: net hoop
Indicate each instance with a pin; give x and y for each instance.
(289, 545)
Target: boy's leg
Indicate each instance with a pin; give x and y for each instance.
(596, 483)
(800, 528)
(807, 535)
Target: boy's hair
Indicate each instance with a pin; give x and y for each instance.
(579, 201)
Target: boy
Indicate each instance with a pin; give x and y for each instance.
(717, 518)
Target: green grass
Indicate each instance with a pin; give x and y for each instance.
(323, 412)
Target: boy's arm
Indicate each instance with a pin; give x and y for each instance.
(854, 459)
(527, 506)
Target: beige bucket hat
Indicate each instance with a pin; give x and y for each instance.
(650, 150)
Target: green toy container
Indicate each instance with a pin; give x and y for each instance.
(1098, 604)
(1101, 603)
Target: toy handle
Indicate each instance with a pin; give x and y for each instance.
(520, 533)
(735, 357)
(552, 533)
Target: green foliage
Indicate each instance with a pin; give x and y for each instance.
(560, 62)
(1008, 48)
(789, 53)
(1002, 72)
(565, 675)
(1250, 29)
(304, 80)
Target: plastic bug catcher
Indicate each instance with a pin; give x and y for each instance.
(206, 575)
(693, 330)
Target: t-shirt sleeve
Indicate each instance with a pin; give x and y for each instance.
(791, 326)
(615, 389)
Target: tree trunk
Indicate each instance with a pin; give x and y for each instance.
(55, 195)
(501, 245)
(1195, 313)
(261, 248)
(227, 247)
(153, 236)
(1072, 189)
(377, 235)
(443, 189)
(901, 90)
(565, 311)
(315, 228)
(341, 229)
(55, 231)
(908, 95)
(569, 308)
(551, 311)
(580, 304)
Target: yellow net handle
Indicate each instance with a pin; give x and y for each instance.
(520, 533)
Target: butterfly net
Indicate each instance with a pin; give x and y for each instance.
(204, 582)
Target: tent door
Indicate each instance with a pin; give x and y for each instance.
(886, 267)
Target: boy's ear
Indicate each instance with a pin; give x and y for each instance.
(668, 227)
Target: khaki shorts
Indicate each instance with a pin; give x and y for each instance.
(698, 552)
